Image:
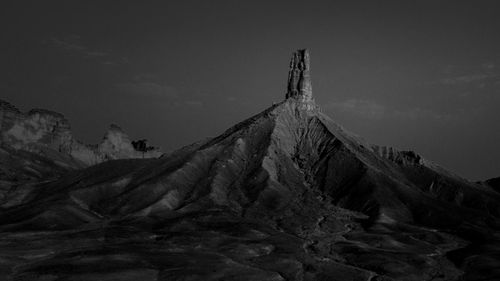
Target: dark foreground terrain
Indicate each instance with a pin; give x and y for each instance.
(284, 195)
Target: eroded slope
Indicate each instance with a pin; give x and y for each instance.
(284, 195)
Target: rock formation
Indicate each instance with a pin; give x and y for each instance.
(299, 78)
(397, 156)
(299, 86)
(40, 129)
(285, 195)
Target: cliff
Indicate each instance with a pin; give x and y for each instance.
(39, 130)
(299, 85)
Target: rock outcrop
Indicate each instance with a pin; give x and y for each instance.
(398, 156)
(299, 78)
(40, 130)
(299, 86)
(116, 144)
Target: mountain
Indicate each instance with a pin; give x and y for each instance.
(287, 194)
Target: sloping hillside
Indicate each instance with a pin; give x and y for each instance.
(284, 195)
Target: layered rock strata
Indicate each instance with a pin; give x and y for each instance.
(299, 85)
(39, 130)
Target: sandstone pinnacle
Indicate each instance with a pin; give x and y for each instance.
(299, 79)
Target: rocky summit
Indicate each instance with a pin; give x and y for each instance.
(287, 194)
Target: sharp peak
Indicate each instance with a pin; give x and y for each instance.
(299, 84)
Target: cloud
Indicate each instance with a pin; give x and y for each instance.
(96, 54)
(465, 79)
(369, 109)
(481, 74)
(421, 113)
(147, 89)
(69, 43)
(73, 44)
(194, 103)
(149, 86)
(117, 61)
(362, 107)
(488, 65)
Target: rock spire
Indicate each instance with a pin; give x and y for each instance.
(299, 78)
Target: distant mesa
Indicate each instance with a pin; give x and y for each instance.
(40, 130)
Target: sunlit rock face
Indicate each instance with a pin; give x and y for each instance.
(299, 86)
(39, 130)
(299, 78)
(286, 194)
(116, 144)
(44, 127)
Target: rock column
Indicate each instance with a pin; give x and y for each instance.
(299, 78)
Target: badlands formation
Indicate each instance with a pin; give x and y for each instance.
(285, 195)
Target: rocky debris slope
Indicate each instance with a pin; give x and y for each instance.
(39, 130)
(284, 195)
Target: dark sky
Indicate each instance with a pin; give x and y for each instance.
(420, 75)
